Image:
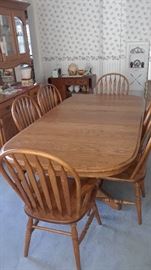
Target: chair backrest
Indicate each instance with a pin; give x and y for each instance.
(142, 159)
(24, 111)
(42, 183)
(112, 84)
(146, 129)
(145, 136)
(147, 117)
(48, 97)
(143, 152)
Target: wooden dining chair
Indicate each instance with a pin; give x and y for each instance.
(48, 97)
(52, 192)
(112, 84)
(135, 175)
(24, 111)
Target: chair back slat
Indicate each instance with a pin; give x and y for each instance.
(112, 84)
(146, 130)
(2, 133)
(105, 88)
(48, 97)
(19, 115)
(12, 176)
(55, 187)
(33, 182)
(44, 182)
(123, 89)
(66, 191)
(29, 116)
(24, 111)
(119, 85)
(44, 99)
(100, 90)
(25, 183)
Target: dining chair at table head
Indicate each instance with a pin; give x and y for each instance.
(112, 84)
(135, 175)
(51, 191)
(24, 111)
(48, 97)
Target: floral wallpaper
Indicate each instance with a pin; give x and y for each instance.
(69, 29)
(90, 31)
(139, 20)
(114, 25)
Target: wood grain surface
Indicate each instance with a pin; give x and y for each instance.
(97, 135)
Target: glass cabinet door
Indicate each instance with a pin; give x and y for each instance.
(6, 38)
(20, 35)
(14, 48)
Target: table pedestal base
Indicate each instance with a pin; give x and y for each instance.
(106, 198)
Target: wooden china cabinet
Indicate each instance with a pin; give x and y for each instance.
(14, 49)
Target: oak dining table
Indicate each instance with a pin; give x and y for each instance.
(98, 135)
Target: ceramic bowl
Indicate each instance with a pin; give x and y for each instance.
(81, 71)
(70, 88)
(76, 88)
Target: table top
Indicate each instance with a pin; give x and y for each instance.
(97, 135)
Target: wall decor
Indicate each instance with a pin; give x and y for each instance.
(138, 60)
(136, 57)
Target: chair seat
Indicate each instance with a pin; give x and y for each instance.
(55, 216)
(125, 176)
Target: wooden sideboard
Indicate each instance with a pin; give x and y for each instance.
(7, 126)
(62, 83)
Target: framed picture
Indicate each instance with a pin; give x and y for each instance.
(8, 76)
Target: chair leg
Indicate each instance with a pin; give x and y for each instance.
(138, 202)
(76, 245)
(89, 212)
(100, 181)
(28, 236)
(142, 186)
(97, 216)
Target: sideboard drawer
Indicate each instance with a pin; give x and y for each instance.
(5, 107)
